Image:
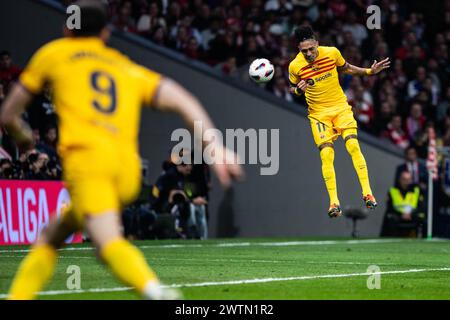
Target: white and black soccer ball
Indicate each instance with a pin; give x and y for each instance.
(261, 70)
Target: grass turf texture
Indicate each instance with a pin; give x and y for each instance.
(224, 260)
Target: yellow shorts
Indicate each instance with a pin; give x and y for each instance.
(100, 182)
(326, 127)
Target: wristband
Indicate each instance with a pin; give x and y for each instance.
(369, 71)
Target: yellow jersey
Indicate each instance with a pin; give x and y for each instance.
(324, 93)
(97, 92)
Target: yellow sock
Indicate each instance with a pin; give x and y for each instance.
(359, 163)
(34, 271)
(128, 264)
(327, 156)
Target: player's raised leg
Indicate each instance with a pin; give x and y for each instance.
(324, 135)
(329, 176)
(38, 266)
(125, 260)
(359, 162)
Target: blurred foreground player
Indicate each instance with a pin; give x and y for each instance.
(98, 94)
(314, 72)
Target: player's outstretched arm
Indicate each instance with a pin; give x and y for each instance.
(174, 98)
(10, 116)
(376, 67)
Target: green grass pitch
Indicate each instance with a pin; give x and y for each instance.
(266, 268)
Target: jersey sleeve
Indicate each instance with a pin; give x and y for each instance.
(38, 70)
(340, 61)
(293, 77)
(150, 83)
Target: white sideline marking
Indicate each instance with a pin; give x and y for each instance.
(234, 282)
(242, 244)
(351, 263)
(228, 260)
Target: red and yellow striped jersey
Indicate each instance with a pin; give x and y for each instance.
(324, 93)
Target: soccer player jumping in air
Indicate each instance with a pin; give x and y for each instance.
(98, 93)
(314, 72)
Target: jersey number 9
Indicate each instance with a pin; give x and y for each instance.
(105, 85)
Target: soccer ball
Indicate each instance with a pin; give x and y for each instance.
(261, 70)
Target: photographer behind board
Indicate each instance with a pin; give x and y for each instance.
(175, 192)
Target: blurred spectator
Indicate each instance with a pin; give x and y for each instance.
(395, 132)
(8, 71)
(281, 88)
(6, 169)
(398, 76)
(415, 60)
(41, 112)
(159, 36)
(422, 141)
(418, 83)
(203, 20)
(405, 213)
(443, 106)
(362, 107)
(418, 171)
(150, 20)
(197, 189)
(358, 31)
(192, 49)
(123, 20)
(415, 122)
(281, 6)
(37, 166)
(383, 118)
(48, 145)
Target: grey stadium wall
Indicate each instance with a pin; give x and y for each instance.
(290, 203)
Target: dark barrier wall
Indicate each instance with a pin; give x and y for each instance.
(290, 203)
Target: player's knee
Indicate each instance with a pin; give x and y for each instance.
(326, 153)
(352, 145)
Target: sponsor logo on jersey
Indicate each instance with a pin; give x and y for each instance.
(326, 75)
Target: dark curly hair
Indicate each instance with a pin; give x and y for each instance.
(304, 33)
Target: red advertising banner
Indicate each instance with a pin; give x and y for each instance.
(27, 206)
